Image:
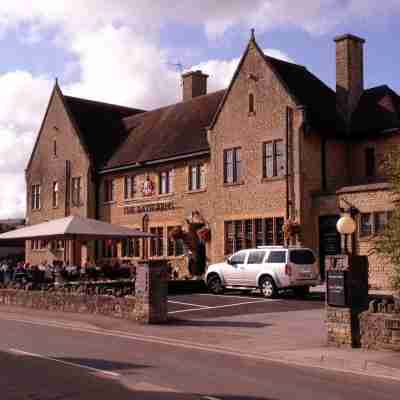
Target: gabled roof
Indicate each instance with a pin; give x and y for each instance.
(100, 125)
(303, 87)
(378, 110)
(178, 129)
(310, 92)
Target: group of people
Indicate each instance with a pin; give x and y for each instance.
(47, 273)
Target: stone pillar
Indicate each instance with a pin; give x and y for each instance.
(346, 298)
(151, 292)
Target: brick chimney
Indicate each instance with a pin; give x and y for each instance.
(349, 73)
(194, 84)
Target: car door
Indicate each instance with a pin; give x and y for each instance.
(275, 264)
(233, 270)
(252, 267)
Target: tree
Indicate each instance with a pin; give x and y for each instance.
(388, 244)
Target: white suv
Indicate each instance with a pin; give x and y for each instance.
(269, 268)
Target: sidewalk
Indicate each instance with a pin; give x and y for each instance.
(295, 337)
(322, 289)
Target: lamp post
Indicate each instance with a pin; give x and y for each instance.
(346, 226)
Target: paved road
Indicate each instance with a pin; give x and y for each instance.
(204, 305)
(40, 362)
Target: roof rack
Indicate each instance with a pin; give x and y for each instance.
(271, 247)
(280, 247)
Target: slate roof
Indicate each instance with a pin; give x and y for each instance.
(100, 125)
(309, 91)
(177, 129)
(377, 110)
(118, 136)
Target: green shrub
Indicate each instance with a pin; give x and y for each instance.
(388, 244)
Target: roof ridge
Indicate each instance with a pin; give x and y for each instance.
(293, 64)
(175, 104)
(376, 88)
(102, 103)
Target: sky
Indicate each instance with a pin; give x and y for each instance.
(128, 52)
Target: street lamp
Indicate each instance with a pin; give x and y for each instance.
(346, 226)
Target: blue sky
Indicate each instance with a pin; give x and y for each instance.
(123, 51)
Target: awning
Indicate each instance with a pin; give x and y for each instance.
(74, 227)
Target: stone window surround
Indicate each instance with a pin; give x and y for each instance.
(237, 166)
(129, 186)
(76, 192)
(55, 194)
(275, 157)
(36, 191)
(200, 177)
(109, 191)
(250, 236)
(372, 221)
(169, 175)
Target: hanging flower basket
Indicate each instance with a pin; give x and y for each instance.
(291, 228)
(204, 234)
(176, 233)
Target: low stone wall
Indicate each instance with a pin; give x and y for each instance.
(380, 330)
(128, 307)
(338, 322)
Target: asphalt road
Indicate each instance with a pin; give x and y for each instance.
(205, 305)
(40, 362)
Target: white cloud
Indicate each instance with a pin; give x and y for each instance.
(119, 58)
(23, 99)
(121, 66)
(314, 16)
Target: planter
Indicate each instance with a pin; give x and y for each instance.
(291, 229)
(204, 234)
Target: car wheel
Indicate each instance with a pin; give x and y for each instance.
(267, 287)
(301, 291)
(215, 285)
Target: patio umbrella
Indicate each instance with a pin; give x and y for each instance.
(74, 227)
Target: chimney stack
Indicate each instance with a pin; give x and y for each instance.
(349, 73)
(194, 84)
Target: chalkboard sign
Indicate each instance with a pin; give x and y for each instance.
(336, 290)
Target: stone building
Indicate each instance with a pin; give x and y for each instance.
(277, 144)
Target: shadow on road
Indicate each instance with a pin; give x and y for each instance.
(25, 377)
(106, 365)
(226, 324)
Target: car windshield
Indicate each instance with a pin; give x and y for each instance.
(302, 257)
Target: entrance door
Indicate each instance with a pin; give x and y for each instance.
(329, 239)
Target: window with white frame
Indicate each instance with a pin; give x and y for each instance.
(35, 197)
(232, 165)
(197, 177)
(274, 159)
(129, 187)
(165, 182)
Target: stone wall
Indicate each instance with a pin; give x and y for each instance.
(119, 307)
(338, 322)
(380, 331)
